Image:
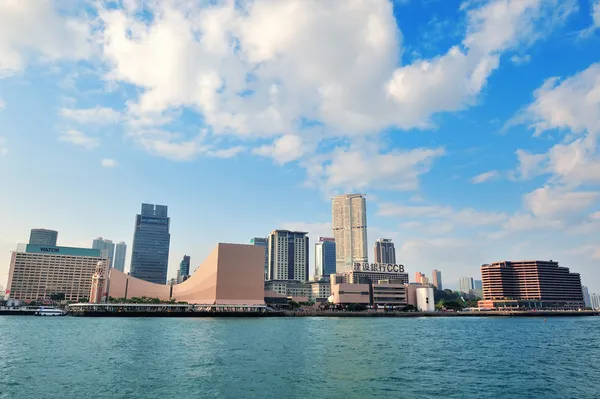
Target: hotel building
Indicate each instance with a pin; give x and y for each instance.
(384, 251)
(465, 284)
(42, 270)
(43, 237)
(530, 284)
(288, 255)
(349, 225)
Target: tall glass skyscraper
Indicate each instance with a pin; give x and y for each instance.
(151, 240)
(324, 257)
(120, 254)
(107, 249)
(384, 251)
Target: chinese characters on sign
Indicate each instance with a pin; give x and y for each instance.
(378, 267)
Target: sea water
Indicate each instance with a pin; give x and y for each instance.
(69, 357)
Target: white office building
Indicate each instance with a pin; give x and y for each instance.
(349, 225)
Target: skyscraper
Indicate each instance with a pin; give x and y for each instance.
(120, 254)
(437, 279)
(586, 296)
(595, 301)
(151, 240)
(184, 269)
(263, 242)
(325, 257)
(43, 237)
(349, 225)
(107, 249)
(465, 284)
(288, 255)
(385, 251)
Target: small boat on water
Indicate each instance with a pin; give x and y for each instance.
(49, 311)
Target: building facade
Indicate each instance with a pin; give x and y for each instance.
(184, 269)
(384, 251)
(43, 237)
(586, 296)
(42, 270)
(532, 284)
(324, 257)
(151, 241)
(107, 249)
(120, 254)
(288, 255)
(421, 278)
(437, 280)
(465, 284)
(595, 301)
(349, 225)
(264, 243)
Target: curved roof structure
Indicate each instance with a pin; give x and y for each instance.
(233, 274)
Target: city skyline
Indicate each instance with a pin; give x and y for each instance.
(475, 141)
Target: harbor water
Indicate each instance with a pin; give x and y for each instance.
(478, 357)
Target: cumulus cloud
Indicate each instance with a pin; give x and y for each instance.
(79, 139)
(483, 177)
(551, 202)
(31, 29)
(109, 163)
(2, 103)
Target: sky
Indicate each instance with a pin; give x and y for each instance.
(472, 126)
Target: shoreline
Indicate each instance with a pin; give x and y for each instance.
(186, 314)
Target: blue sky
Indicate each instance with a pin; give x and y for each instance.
(472, 126)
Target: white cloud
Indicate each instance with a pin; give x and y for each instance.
(483, 177)
(595, 15)
(285, 149)
(365, 167)
(2, 103)
(98, 115)
(109, 163)
(552, 202)
(226, 152)
(571, 105)
(520, 59)
(79, 139)
(29, 28)
(465, 217)
(3, 147)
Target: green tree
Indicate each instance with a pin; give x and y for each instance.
(294, 304)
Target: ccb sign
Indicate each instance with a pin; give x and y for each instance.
(378, 267)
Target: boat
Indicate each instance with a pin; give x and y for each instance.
(49, 311)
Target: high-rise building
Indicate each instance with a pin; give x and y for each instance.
(263, 242)
(184, 269)
(586, 296)
(120, 254)
(288, 255)
(107, 249)
(43, 237)
(42, 270)
(324, 257)
(349, 225)
(437, 280)
(384, 251)
(477, 285)
(595, 301)
(151, 241)
(531, 284)
(420, 278)
(465, 284)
